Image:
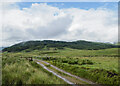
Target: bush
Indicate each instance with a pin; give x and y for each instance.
(73, 62)
(86, 61)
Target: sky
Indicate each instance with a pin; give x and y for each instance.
(66, 21)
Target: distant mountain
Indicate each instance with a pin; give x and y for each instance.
(1, 48)
(38, 45)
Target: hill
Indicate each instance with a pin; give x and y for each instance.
(47, 44)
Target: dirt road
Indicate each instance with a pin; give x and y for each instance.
(42, 63)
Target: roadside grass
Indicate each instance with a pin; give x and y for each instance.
(70, 78)
(107, 63)
(89, 68)
(20, 71)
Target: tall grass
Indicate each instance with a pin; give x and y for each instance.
(100, 66)
(20, 71)
(82, 67)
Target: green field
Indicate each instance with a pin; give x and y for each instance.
(100, 66)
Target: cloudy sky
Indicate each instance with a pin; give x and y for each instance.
(66, 21)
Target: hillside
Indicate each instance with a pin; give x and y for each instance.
(46, 44)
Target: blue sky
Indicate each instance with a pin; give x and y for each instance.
(81, 5)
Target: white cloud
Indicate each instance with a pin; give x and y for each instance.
(42, 21)
(95, 25)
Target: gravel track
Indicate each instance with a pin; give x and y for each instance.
(67, 81)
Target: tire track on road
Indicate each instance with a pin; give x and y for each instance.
(81, 79)
(67, 81)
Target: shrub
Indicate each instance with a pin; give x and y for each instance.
(86, 61)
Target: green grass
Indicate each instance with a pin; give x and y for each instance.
(104, 59)
(67, 52)
(107, 63)
(90, 68)
(100, 66)
(17, 70)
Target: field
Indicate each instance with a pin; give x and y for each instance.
(99, 66)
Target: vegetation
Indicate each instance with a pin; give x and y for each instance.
(17, 70)
(46, 44)
(100, 66)
(67, 52)
(97, 62)
(99, 71)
